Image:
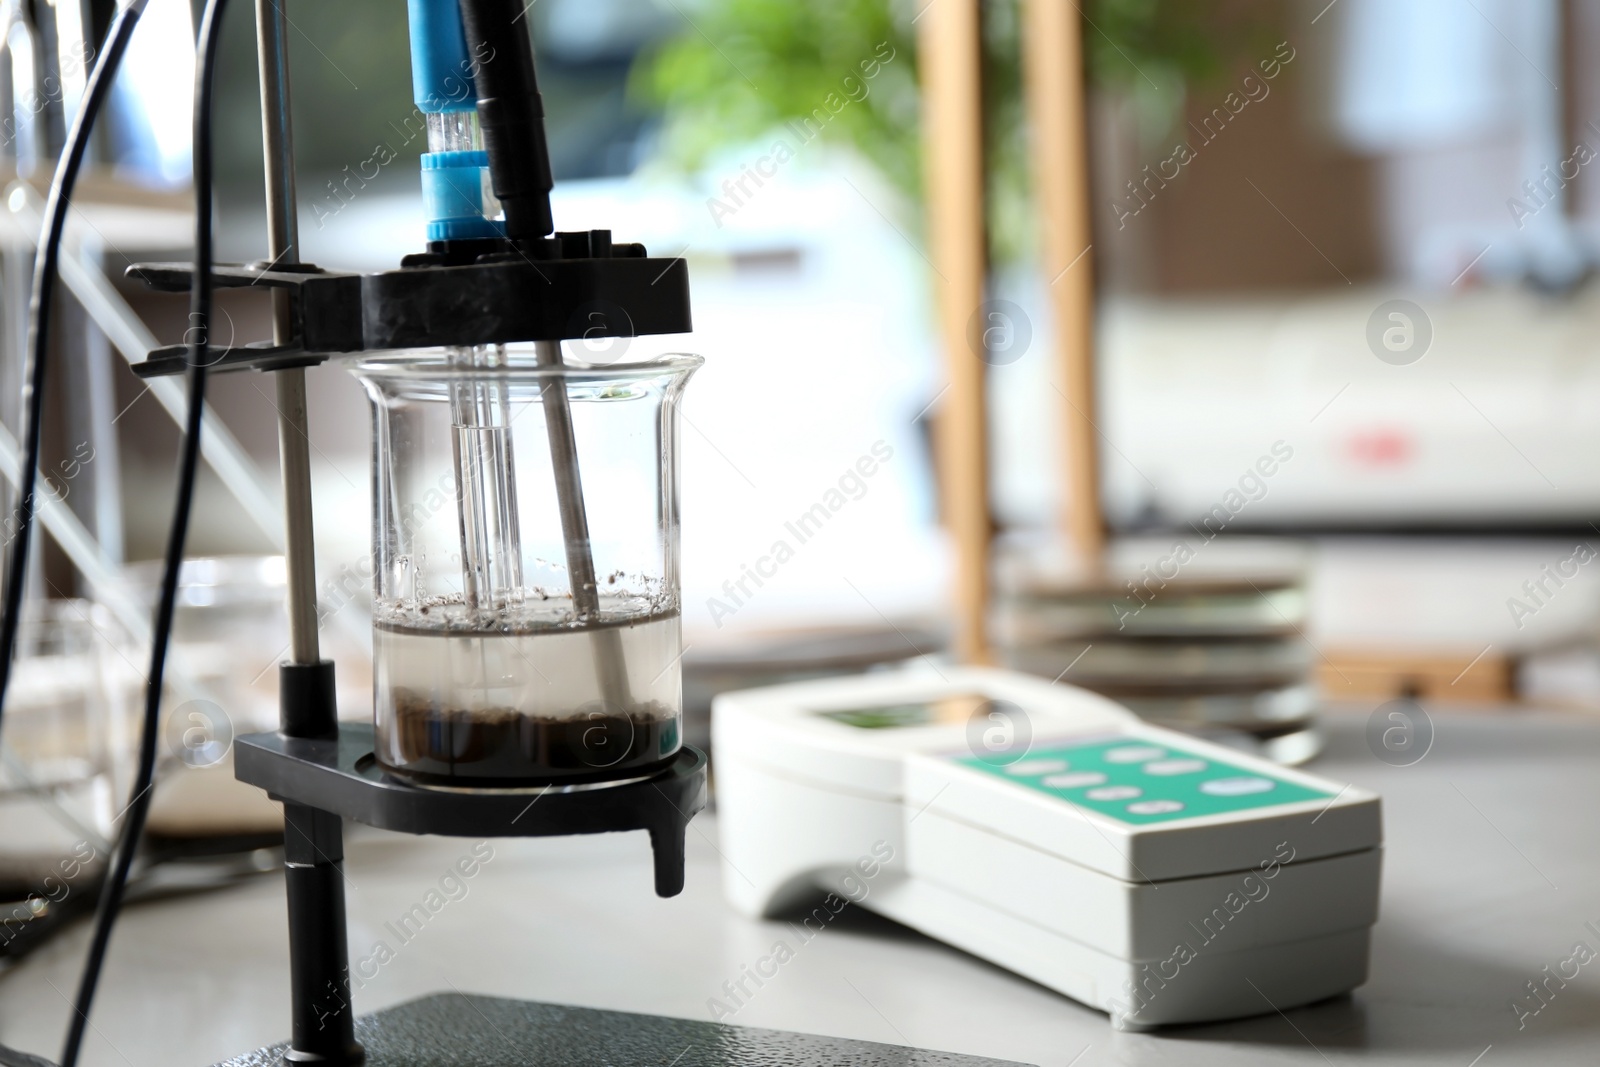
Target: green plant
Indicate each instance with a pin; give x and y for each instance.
(742, 69)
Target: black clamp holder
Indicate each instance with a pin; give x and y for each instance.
(458, 293)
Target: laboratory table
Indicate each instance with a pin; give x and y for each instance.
(1491, 882)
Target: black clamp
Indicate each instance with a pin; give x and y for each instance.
(458, 293)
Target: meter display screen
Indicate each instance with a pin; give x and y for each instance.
(957, 708)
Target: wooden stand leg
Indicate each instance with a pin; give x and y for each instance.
(952, 97)
(1058, 130)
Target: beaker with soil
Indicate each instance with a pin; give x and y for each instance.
(525, 551)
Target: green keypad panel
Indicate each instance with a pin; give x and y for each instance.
(1140, 781)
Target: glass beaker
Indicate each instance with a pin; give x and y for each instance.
(525, 548)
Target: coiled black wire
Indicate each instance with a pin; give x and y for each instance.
(35, 356)
(35, 363)
(198, 340)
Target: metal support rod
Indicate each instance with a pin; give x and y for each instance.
(294, 451)
(282, 239)
(322, 1018)
(313, 860)
(277, 141)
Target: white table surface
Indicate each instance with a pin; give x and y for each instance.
(1492, 871)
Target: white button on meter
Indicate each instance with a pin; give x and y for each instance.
(1028, 768)
(1133, 754)
(1154, 807)
(1075, 780)
(1237, 787)
(1175, 766)
(1115, 792)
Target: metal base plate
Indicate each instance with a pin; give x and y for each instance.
(472, 1031)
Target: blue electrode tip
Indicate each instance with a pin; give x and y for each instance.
(452, 196)
(442, 81)
(441, 67)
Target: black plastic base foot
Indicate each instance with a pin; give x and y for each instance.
(353, 1057)
(472, 1031)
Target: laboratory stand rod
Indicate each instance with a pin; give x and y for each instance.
(283, 235)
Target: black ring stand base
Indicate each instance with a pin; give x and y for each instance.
(324, 772)
(473, 1031)
(339, 775)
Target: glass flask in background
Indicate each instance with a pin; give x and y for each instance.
(69, 738)
(228, 634)
(525, 543)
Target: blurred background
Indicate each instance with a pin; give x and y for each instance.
(1340, 259)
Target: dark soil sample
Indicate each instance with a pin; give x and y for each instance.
(505, 747)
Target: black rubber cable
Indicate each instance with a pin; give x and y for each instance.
(36, 353)
(35, 361)
(188, 462)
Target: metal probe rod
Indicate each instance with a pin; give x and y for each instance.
(609, 665)
(511, 114)
(283, 237)
(294, 455)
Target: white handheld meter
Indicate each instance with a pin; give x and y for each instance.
(1149, 874)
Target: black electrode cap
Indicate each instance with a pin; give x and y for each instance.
(511, 114)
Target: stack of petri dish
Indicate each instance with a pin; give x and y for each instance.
(1209, 640)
